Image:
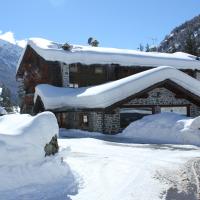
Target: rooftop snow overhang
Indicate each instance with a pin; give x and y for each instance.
(88, 55)
(113, 93)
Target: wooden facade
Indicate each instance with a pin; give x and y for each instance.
(34, 70)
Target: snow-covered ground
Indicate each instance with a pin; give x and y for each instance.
(25, 172)
(164, 128)
(103, 167)
(116, 167)
(119, 170)
(2, 111)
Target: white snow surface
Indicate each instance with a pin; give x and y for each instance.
(165, 128)
(2, 111)
(115, 167)
(9, 37)
(25, 171)
(52, 51)
(113, 170)
(104, 95)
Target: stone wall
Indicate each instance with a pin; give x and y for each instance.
(163, 96)
(194, 110)
(112, 122)
(101, 121)
(105, 122)
(96, 121)
(159, 96)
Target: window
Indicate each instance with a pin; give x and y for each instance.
(73, 85)
(73, 68)
(181, 110)
(98, 70)
(85, 119)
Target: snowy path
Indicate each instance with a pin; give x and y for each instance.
(113, 170)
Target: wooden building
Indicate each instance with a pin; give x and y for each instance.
(46, 62)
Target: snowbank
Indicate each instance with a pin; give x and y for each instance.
(23, 165)
(2, 111)
(52, 51)
(26, 136)
(165, 128)
(104, 95)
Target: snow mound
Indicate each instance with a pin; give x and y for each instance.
(194, 123)
(26, 136)
(165, 128)
(25, 171)
(2, 111)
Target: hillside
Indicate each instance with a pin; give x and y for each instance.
(185, 37)
(10, 51)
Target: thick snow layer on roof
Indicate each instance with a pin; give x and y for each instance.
(104, 95)
(98, 55)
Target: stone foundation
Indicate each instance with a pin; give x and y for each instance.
(109, 122)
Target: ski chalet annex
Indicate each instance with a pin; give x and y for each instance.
(104, 89)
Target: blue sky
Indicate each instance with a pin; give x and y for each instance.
(115, 23)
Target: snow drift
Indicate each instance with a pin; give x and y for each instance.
(23, 164)
(165, 128)
(2, 111)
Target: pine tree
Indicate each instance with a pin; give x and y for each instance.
(141, 47)
(190, 45)
(6, 98)
(153, 49)
(147, 48)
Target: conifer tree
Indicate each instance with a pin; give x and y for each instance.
(190, 45)
(147, 48)
(6, 98)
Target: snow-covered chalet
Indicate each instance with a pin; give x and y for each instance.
(104, 89)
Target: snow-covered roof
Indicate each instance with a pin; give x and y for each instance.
(52, 51)
(107, 94)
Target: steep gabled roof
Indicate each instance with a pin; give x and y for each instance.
(52, 51)
(108, 94)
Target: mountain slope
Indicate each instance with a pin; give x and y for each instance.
(10, 52)
(185, 37)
